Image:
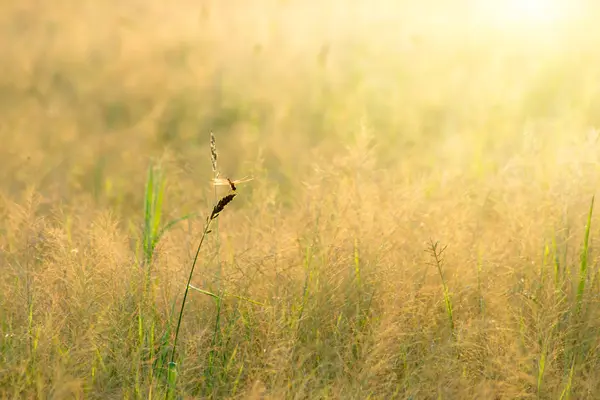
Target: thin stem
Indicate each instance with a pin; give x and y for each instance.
(187, 287)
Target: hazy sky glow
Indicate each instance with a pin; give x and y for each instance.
(532, 14)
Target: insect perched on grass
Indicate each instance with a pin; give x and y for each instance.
(229, 182)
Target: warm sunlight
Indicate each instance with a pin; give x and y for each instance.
(283, 199)
(535, 10)
(525, 13)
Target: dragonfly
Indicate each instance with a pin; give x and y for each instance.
(229, 182)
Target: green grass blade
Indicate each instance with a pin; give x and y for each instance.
(157, 202)
(206, 292)
(171, 224)
(566, 393)
(172, 380)
(148, 217)
(583, 271)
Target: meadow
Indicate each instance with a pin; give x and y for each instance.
(420, 222)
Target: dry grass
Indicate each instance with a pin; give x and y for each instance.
(369, 140)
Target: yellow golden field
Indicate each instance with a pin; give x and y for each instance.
(412, 215)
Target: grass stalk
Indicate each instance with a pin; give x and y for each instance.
(583, 270)
(566, 393)
(542, 368)
(153, 212)
(172, 368)
(437, 255)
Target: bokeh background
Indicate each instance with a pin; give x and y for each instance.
(370, 128)
(90, 91)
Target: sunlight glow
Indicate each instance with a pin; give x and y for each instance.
(525, 13)
(534, 10)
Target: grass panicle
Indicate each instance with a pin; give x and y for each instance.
(221, 205)
(213, 155)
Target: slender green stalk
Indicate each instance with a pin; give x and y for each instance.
(566, 393)
(437, 253)
(187, 287)
(153, 212)
(542, 368)
(557, 277)
(153, 199)
(172, 370)
(583, 271)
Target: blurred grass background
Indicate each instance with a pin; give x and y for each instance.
(369, 127)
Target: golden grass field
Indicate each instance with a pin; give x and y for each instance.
(375, 133)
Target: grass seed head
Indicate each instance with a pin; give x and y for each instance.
(221, 205)
(213, 154)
